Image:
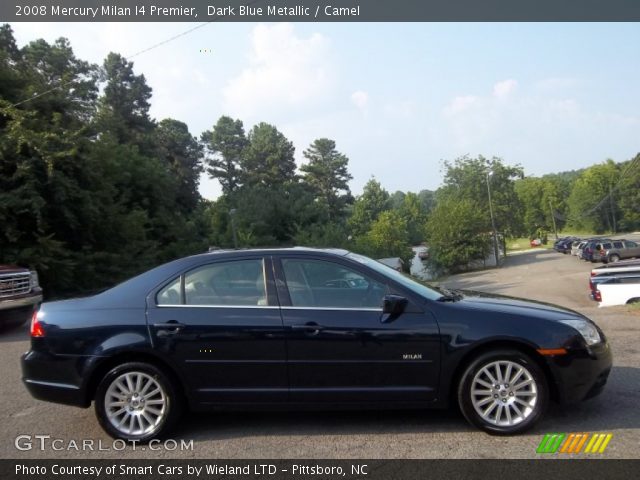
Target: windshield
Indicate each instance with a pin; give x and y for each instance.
(406, 281)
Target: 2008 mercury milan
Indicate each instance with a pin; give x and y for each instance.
(297, 327)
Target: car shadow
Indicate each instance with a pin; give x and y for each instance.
(615, 408)
(14, 333)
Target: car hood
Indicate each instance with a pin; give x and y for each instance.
(515, 306)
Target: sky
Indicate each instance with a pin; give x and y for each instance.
(398, 98)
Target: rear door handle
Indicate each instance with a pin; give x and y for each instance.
(311, 328)
(168, 328)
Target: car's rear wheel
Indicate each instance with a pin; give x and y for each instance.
(137, 401)
(503, 392)
(614, 258)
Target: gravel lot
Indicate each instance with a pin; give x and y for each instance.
(541, 275)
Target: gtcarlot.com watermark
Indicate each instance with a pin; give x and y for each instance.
(48, 443)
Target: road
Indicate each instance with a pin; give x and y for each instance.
(542, 275)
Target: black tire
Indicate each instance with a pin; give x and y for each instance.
(530, 414)
(170, 396)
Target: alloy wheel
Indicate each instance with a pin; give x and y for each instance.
(504, 393)
(135, 403)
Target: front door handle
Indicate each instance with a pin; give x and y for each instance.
(311, 328)
(168, 328)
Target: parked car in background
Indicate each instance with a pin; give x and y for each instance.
(272, 328)
(20, 294)
(621, 249)
(580, 248)
(563, 245)
(601, 247)
(574, 247)
(618, 291)
(616, 278)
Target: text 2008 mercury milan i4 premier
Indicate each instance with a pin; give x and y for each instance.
(304, 327)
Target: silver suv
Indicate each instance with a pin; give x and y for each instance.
(621, 249)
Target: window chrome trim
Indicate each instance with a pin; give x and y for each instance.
(268, 307)
(350, 309)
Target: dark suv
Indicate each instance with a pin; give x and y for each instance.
(20, 293)
(620, 249)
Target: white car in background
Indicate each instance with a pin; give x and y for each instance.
(618, 291)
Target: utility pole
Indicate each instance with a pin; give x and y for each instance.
(232, 214)
(553, 219)
(613, 210)
(493, 223)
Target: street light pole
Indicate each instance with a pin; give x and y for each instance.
(493, 222)
(232, 214)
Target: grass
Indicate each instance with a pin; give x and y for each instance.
(522, 243)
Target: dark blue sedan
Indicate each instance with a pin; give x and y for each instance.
(304, 327)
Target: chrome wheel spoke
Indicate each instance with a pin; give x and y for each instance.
(511, 396)
(128, 406)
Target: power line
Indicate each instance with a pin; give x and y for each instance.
(164, 42)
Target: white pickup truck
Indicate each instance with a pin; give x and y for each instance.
(619, 291)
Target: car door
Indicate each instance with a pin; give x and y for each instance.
(632, 249)
(339, 350)
(220, 324)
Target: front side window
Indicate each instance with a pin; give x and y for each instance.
(617, 244)
(321, 284)
(631, 244)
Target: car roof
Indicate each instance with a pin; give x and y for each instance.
(275, 250)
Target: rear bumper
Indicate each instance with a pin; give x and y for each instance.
(583, 374)
(54, 378)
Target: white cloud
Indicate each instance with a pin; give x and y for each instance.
(285, 70)
(504, 88)
(461, 104)
(360, 99)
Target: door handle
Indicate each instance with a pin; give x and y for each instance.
(310, 328)
(168, 328)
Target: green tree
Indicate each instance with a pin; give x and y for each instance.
(327, 175)
(268, 158)
(412, 211)
(456, 233)
(225, 144)
(183, 154)
(592, 204)
(467, 178)
(366, 208)
(124, 106)
(629, 195)
(387, 237)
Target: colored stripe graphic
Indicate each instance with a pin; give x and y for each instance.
(598, 443)
(551, 442)
(574, 443)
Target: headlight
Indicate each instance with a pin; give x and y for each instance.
(34, 282)
(588, 331)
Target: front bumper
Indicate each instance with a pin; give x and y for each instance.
(11, 303)
(581, 374)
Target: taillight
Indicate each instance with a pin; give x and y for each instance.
(36, 326)
(593, 274)
(597, 296)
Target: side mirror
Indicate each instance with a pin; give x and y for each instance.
(392, 307)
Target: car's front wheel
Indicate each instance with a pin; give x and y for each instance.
(503, 392)
(137, 401)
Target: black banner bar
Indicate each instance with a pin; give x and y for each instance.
(317, 469)
(319, 10)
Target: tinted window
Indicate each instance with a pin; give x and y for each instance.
(170, 295)
(617, 244)
(315, 283)
(238, 282)
(606, 246)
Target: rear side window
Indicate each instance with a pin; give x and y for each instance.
(170, 295)
(617, 245)
(235, 283)
(606, 246)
